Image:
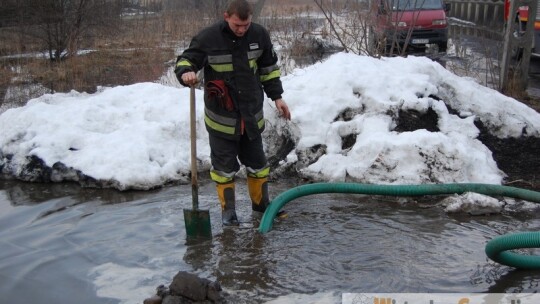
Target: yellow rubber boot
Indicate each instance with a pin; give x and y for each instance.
(258, 192)
(228, 206)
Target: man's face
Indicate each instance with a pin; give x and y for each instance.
(239, 27)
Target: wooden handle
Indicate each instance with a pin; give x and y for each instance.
(193, 135)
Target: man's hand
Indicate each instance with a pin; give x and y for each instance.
(283, 109)
(189, 78)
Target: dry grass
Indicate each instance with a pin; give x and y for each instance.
(141, 50)
(103, 68)
(531, 101)
(515, 90)
(285, 6)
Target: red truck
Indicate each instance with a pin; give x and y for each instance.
(520, 17)
(409, 24)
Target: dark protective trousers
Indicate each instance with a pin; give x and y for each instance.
(225, 153)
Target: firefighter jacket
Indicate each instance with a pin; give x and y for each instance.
(247, 65)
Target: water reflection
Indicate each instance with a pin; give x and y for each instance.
(23, 193)
(506, 280)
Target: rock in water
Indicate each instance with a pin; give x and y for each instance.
(190, 286)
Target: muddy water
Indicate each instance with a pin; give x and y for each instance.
(63, 244)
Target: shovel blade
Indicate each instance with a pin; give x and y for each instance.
(197, 224)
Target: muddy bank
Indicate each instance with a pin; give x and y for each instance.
(518, 157)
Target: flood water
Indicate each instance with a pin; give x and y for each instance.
(64, 244)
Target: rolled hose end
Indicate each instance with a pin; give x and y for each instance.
(498, 249)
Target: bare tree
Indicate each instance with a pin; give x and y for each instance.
(62, 24)
(375, 27)
(349, 23)
(329, 15)
(257, 9)
(214, 8)
(8, 12)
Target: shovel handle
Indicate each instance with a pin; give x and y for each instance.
(193, 136)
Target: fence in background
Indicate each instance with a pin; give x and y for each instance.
(488, 14)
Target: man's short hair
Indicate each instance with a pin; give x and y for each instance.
(240, 8)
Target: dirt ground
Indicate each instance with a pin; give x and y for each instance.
(518, 158)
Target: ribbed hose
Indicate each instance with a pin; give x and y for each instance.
(495, 249)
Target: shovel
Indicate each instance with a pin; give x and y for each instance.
(197, 221)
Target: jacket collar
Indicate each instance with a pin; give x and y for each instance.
(224, 26)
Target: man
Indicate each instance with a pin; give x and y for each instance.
(239, 64)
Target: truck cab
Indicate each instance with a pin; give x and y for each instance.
(401, 25)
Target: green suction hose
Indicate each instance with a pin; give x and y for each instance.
(495, 249)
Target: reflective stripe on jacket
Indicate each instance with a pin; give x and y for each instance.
(247, 64)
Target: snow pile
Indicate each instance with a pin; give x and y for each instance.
(346, 115)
